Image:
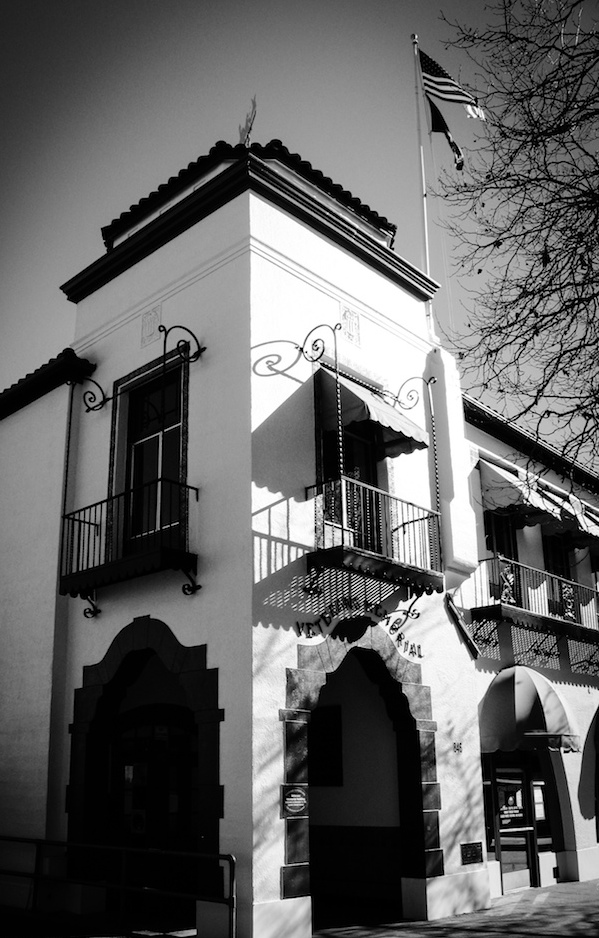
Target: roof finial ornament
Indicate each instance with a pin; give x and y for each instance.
(245, 131)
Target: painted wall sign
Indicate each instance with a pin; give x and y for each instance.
(405, 646)
(336, 610)
(397, 623)
(294, 801)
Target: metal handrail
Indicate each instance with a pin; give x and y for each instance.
(352, 513)
(140, 519)
(499, 579)
(37, 875)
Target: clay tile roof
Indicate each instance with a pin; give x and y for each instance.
(221, 152)
(66, 367)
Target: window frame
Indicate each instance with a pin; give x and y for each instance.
(119, 431)
(119, 458)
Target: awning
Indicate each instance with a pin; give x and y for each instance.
(522, 710)
(504, 489)
(523, 490)
(587, 522)
(400, 434)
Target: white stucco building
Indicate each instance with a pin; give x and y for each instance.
(279, 602)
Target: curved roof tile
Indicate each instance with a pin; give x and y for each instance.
(222, 151)
(66, 367)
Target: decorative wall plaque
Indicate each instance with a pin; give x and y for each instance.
(472, 853)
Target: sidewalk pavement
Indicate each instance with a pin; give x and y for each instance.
(567, 910)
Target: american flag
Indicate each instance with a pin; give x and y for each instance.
(439, 126)
(439, 84)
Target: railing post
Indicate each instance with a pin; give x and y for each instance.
(344, 513)
(37, 874)
(232, 897)
(122, 882)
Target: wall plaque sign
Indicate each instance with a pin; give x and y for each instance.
(294, 801)
(471, 853)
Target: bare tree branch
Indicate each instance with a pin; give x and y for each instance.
(526, 217)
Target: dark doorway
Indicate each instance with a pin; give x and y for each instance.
(142, 760)
(364, 795)
(141, 792)
(154, 750)
(522, 814)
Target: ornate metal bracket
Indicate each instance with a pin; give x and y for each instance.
(409, 613)
(312, 587)
(314, 350)
(411, 397)
(93, 400)
(408, 402)
(187, 351)
(93, 610)
(192, 587)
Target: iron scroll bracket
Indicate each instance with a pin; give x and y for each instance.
(94, 400)
(188, 349)
(93, 610)
(192, 587)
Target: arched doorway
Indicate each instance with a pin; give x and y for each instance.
(145, 762)
(378, 694)
(363, 772)
(524, 729)
(142, 754)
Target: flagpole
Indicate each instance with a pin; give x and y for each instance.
(425, 245)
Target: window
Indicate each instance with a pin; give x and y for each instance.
(557, 556)
(564, 599)
(154, 454)
(148, 461)
(141, 526)
(500, 535)
(360, 449)
(500, 532)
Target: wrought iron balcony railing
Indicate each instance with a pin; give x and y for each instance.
(356, 516)
(136, 532)
(500, 580)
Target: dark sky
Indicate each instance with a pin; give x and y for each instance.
(102, 100)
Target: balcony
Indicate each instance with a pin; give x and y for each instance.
(362, 528)
(140, 531)
(531, 596)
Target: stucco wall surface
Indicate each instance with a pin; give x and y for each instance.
(32, 446)
(198, 281)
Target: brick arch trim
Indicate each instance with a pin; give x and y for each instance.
(200, 688)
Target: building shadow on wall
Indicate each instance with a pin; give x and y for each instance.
(283, 446)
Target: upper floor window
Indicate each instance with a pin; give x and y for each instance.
(148, 460)
(500, 533)
(372, 429)
(142, 526)
(557, 556)
(154, 452)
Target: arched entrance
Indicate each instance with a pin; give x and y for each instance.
(524, 728)
(144, 756)
(360, 736)
(363, 772)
